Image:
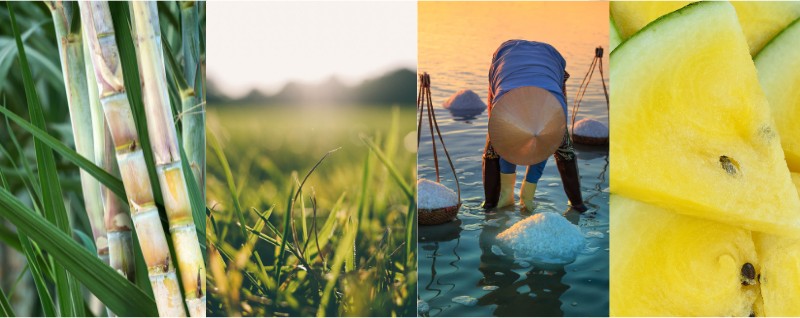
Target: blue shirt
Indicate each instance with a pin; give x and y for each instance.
(519, 63)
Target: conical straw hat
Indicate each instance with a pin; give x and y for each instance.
(526, 125)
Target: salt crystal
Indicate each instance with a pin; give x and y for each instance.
(590, 250)
(465, 300)
(473, 227)
(490, 288)
(433, 195)
(547, 237)
(588, 127)
(499, 273)
(594, 234)
(523, 264)
(497, 251)
(422, 307)
(492, 222)
(554, 184)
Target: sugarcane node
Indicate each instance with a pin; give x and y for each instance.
(132, 147)
(165, 266)
(199, 283)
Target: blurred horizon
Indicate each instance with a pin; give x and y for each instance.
(343, 43)
(394, 87)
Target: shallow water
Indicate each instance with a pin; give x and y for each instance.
(463, 258)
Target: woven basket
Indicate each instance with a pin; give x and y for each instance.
(593, 141)
(437, 216)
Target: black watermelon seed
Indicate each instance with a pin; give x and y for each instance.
(729, 165)
(748, 274)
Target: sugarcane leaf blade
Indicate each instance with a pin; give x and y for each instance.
(69, 297)
(108, 180)
(117, 293)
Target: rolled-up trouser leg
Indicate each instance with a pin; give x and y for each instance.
(567, 164)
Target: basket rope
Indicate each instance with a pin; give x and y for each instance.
(424, 102)
(597, 63)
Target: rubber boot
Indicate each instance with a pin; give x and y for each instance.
(526, 195)
(507, 181)
(568, 169)
(491, 182)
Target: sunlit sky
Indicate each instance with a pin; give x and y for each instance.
(266, 44)
(466, 34)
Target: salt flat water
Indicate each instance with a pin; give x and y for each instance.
(463, 269)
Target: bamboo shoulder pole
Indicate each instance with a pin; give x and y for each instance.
(99, 31)
(164, 140)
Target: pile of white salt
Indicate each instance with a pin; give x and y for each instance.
(464, 99)
(588, 127)
(433, 195)
(465, 103)
(544, 237)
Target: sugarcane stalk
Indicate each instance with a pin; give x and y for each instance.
(193, 107)
(70, 49)
(117, 220)
(164, 142)
(99, 32)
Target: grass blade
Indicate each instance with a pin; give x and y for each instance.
(287, 217)
(117, 293)
(410, 239)
(237, 207)
(392, 169)
(336, 268)
(69, 295)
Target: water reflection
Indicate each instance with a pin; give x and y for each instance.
(466, 115)
(433, 235)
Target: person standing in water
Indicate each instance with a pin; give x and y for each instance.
(527, 122)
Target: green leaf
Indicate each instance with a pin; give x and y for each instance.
(9, 238)
(6, 54)
(87, 242)
(69, 296)
(117, 293)
(108, 180)
(5, 306)
(32, 183)
(35, 265)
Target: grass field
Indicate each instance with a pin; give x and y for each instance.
(348, 247)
